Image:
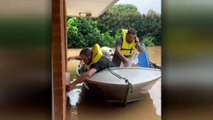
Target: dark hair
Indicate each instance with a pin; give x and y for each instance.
(86, 51)
(131, 31)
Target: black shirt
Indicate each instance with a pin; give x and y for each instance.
(102, 64)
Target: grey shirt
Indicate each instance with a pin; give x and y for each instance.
(116, 59)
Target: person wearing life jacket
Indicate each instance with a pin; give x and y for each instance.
(94, 62)
(125, 47)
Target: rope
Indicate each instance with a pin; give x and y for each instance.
(120, 77)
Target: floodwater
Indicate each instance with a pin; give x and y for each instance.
(90, 107)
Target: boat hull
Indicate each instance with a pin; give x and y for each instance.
(120, 93)
(123, 85)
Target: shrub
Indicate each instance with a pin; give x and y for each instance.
(148, 41)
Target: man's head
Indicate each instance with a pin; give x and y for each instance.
(131, 35)
(86, 55)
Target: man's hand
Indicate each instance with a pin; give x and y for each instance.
(138, 45)
(69, 87)
(69, 58)
(137, 41)
(126, 62)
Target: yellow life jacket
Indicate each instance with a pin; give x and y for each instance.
(127, 49)
(96, 55)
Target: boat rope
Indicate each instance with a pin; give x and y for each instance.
(121, 77)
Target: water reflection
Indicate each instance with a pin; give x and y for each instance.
(84, 105)
(155, 95)
(74, 99)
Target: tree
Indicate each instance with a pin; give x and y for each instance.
(153, 26)
(82, 32)
(117, 17)
(125, 16)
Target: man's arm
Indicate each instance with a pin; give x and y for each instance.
(120, 55)
(73, 58)
(138, 45)
(81, 79)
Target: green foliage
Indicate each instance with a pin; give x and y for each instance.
(147, 40)
(107, 40)
(85, 32)
(117, 17)
(82, 32)
(123, 9)
(153, 23)
(125, 16)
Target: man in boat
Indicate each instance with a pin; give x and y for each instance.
(94, 62)
(125, 47)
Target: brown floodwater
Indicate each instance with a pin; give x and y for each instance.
(90, 107)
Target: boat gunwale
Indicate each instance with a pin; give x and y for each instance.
(120, 68)
(97, 82)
